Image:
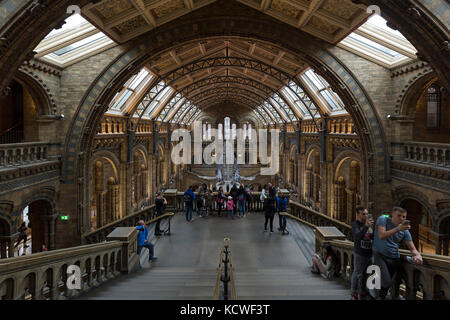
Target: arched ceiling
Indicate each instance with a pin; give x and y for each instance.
(219, 69)
(122, 20)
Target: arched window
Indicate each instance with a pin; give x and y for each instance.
(433, 106)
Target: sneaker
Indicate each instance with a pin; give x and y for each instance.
(152, 259)
(354, 296)
(271, 231)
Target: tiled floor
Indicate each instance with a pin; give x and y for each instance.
(267, 266)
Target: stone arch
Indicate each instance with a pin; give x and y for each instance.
(47, 194)
(335, 73)
(95, 101)
(413, 89)
(45, 102)
(405, 192)
(109, 157)
(6, 210)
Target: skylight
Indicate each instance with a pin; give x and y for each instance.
(377, 42)
(76, 40)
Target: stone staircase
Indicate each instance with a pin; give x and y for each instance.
(267, 265)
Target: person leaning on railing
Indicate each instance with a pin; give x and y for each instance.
(143, 242)
(389, 232)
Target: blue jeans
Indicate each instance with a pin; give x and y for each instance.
(232, 213)
(359, 276)
(149, 246)
(188, 211)
(241, 207)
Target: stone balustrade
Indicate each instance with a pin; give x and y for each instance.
(308, 126)
(429, 281)
(23, 153)
(341, 125)
(435, 154)
(113, 125)
(43, 276)
(148, 215)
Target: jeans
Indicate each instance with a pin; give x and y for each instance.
(388, 268)
(359, 276)
(150, 248)
(282, 221)
(199, 211)
(232, 213)
(241, 207)
(188, 211)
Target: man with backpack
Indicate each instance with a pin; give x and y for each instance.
(282, 202)
(189, 197)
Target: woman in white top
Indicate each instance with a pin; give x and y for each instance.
(325, 264)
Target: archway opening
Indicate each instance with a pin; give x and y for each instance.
(421, 226)
(38, 229)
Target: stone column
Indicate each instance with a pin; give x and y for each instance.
(307, 189)
(3, 249)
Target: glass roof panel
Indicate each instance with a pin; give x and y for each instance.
(373, 45)
(80, 44)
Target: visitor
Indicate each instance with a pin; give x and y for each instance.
(44, 248)
(230, 206)
(143, 242)
(282, 202)
(201, 199)
(22, 235)
(241, 201)
(362, 256)
(208, 201)
(325, 264)
(270, 206)
(248, 198)
(189, 197)
(220, 200)
(160, 204)
(388, 233)
(234, 195)
(263, 195)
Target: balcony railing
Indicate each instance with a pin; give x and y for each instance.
(428, 281)
(99, 235)
(23, 153)
(430, 154)
(43, 276)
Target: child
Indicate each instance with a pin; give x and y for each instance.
(230, 206)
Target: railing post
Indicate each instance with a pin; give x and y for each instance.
(130, 258)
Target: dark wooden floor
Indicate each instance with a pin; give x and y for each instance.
(267, 266)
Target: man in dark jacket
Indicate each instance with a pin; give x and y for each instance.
(362, 237)
(270, 206)
(189, 197)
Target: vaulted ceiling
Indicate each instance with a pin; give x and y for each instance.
(248, 72)
(329, 20)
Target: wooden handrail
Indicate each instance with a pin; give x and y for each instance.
(321, 215)
(115, 223)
